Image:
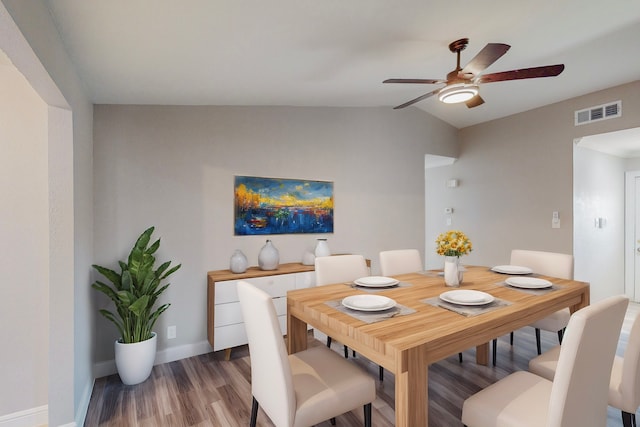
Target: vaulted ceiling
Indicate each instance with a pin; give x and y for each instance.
(337, 52)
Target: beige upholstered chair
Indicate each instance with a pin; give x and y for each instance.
(400, 261)
(548, 264)
(624, 386)
(341, 269)
(301, 389)
(578, 394)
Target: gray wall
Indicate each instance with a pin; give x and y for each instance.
(24, 229)
(35, 49)
(514, 172)
(173, 167)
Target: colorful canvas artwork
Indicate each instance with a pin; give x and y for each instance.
(282, 206)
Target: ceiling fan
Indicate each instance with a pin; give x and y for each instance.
(462, 84)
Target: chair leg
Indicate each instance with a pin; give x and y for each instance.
(495, 351)
(333, 421)
(511, 338)
(328, 341)
(381, 373)
(367, 415)
(628, 419)
(538, 341)
(254, 413)
(460, 357)
(353, 353)
(346, 352)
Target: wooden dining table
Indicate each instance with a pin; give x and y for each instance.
(407, 344)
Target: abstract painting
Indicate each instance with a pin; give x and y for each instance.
(282, 206)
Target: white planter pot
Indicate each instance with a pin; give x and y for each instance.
(135, 361)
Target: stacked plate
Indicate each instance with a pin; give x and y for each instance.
(368, 302)
(376, 282)
(528, 283)
(512, 269)
(467, 297)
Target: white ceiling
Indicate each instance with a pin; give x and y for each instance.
(623, 143)
(338, 52)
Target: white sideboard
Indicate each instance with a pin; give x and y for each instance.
(225, 325)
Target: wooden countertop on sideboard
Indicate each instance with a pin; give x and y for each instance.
(253, 272)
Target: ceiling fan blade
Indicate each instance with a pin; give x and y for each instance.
(418, 81)
(487, 56)
(418, 99)
(525, 73)
(475, 101)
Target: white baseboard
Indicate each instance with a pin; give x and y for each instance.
(102, 369)
(28, 418)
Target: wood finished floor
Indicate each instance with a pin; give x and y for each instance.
(206, 390)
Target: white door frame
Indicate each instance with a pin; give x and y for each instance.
(629, 234)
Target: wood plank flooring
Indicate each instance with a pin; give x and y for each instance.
(206, 390)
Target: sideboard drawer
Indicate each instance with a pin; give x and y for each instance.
(276, 286)
(231, 313)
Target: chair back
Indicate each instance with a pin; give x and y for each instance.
(546, 263)
(630, 383)
(271, 378)
(340, 268)
(400, 261)
(580, 389)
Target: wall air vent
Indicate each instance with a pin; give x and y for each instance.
(599, 112)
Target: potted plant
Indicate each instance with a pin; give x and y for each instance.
(134, 292)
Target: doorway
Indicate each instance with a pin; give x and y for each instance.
(604, 235)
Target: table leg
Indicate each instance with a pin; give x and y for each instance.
(482, 354)
(412, 399)
(296, 334)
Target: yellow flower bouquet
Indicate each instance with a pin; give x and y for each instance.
(453, 243)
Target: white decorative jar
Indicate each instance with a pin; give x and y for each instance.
(322, 248)
(452, 271)
(135, 360)
(269, 257)
(308, 258)
(238, 262)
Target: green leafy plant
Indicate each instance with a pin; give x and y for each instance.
(135, 290)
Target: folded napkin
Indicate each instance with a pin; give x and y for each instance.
(467, 310)
(371, 316)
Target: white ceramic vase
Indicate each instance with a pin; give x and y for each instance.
(452, 272)
(238, 262)
(308, 258)
(322, 248)
(269, 257)
(135, 361)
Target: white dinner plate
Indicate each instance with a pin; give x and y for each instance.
(512, 269)
(368, 302)
(467, 297)
(376, 281)
(528, 283)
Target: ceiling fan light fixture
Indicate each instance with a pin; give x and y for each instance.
(458, 92)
